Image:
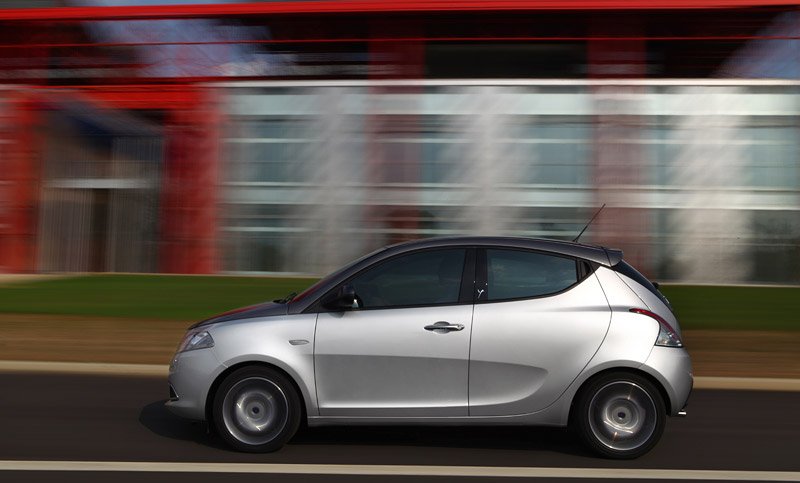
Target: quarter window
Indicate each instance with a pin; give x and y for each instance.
(519, 274)
(429, 277)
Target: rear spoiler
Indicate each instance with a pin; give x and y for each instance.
(614, 256)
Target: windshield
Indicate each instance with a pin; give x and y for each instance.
(324, 280)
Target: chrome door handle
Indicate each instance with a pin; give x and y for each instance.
(443, 327)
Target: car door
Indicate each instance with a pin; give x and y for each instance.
(403, 351)
(538, 320)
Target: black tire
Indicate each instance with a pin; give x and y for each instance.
(619, 415)
(256, 409)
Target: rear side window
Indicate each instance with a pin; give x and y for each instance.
(513, 274)
(626, 269)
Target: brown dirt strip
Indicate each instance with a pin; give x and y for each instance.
(64, 338)
(744, 353)
(728, 353)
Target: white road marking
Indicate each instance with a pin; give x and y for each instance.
(399, 470)
(101, 368)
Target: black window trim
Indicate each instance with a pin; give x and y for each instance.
(628, 270)
(464, 294)
(482, 271)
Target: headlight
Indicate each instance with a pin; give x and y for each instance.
(196, 339)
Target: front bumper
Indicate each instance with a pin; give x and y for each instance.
(190, 377)
(673, 369)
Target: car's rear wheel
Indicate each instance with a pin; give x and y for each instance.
(620, 415)
(256, 409)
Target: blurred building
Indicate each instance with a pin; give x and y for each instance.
(290, 137)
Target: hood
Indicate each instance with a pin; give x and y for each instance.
(267, 309)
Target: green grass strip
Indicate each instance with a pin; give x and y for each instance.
(743, 308)
(193, 298)
(187, 298)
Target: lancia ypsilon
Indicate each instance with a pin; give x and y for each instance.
(456, 331)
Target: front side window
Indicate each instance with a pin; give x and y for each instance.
(513, 274)
(429, 277)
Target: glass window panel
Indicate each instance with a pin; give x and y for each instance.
(425, 278)
(518, 274)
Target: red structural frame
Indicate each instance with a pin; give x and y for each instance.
(19, 183)
(188, 195)
(188, 208)
(376, 6)
(401, 39)
(187, 221)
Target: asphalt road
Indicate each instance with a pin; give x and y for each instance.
(100, 418)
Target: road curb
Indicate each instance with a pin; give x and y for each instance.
(747, 383)
(91, 368)
(158, 370)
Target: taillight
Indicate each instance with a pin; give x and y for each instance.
(667, 337)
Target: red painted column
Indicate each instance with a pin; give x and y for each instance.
(189, 187)
(19, 186)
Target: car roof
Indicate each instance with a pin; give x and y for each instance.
(598, 254)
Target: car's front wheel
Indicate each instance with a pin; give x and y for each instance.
(620, 415)
(256, 409)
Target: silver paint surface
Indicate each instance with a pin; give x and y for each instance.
(384, 362)
(525, 353)
(515, 362)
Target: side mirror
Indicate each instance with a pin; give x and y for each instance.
(343, 299)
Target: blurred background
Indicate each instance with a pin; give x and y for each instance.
(290, 137)
(162, 161)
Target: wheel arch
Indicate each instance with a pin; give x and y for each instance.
(629, 370)
(212, 391)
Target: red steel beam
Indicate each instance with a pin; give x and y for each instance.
(402, 39)
(188, 209)
(144, 12)
(161, 97)
(19, 182)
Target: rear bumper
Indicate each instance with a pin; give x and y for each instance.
(672, 367)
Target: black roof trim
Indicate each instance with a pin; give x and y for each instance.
(614, 255)
(597, 254)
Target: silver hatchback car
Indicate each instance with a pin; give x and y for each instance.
(458, 331)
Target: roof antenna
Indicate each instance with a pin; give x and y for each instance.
(587, 225)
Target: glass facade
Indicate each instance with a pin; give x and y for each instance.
(702, 175)
(290, 137)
